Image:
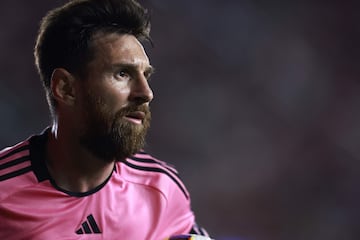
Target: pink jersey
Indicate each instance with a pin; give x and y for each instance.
(143, 199)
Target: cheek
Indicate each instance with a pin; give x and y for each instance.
(110, 95)
(117, 98)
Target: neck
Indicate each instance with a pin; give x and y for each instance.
(72, 167)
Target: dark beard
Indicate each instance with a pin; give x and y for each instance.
(114, 139)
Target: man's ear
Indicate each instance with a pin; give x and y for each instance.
(63, 86)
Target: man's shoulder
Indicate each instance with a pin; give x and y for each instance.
(15, 164)
(15, 160)
(142, 168)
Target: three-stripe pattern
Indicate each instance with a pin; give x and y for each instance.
(89, 226)
(143, 161)
(15, 161)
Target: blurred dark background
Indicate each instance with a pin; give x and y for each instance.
(256, 103)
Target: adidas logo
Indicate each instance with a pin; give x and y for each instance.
(89, 226)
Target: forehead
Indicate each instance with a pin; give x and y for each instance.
(115, 48)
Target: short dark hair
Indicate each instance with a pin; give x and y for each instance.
(65, 34)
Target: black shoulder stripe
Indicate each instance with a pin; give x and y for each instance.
(14, 162)
(15, 173)
(20, 149)
(154, 169)
(149, 160)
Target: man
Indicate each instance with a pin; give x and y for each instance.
(86, 176)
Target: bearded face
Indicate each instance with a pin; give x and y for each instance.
(113, 98)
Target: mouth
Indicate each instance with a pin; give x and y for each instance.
(135, 117)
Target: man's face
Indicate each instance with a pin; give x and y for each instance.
(115, 96)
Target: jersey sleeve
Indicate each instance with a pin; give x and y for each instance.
(178, 217)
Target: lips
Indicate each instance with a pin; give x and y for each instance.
(136, 117)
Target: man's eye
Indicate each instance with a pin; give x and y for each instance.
(122, 75)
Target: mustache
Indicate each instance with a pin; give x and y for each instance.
(134, 108)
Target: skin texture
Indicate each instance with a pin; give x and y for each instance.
(102, 117)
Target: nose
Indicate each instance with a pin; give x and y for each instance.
(141, 91)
